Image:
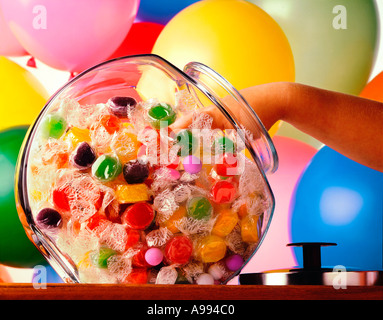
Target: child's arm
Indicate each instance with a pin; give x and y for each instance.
(351, 125)
(348, 124)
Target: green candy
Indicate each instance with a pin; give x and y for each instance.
(187, 143)
(53, 126)
(100, 258)
(199, 208)
(223, 145)
(161, 115)
(106, 168)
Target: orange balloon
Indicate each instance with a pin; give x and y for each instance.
(374, 89)
(4, 275)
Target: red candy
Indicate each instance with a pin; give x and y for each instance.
(60, 198)
(139, 259)
(133, 237)
(227, 165)
(178, 250)
(223, 192)
(138, 216)
(137, 276)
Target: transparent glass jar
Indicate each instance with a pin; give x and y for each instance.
(131, 214)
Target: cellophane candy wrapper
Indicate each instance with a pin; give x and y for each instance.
(128, 197)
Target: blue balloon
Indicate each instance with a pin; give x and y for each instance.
(45, 274)
(160, 11)
(339, 200)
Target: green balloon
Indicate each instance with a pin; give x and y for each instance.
(334, 42)
(16, 250)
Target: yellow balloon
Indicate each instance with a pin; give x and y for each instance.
(21, 95)
(235, 38)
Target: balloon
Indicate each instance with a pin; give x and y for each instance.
(21, 94)
(139, 40)
(9, 46)
(339, 200)
(374, 89)
(287, 130)
(334, 41)
(234, 37)
(45, 274)
(70, 35)
(161, 11)
(273, 254)
(16, 250)
(4, 275)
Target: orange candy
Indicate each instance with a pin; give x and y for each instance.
(111, 123)
(242, 211)
(225, 223)
(249, 228)
(177, 215)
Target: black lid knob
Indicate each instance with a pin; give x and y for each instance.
(311, 253)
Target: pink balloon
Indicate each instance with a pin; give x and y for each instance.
(70, 35)
(9, 46)
(273, 254)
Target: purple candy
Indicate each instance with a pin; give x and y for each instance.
(192, 164)
(234, 262)
(49, 218)
(121, 106)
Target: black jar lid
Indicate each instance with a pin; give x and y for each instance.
(313, 273)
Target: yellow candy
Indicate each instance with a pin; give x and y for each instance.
(126, 146)
(85, 261)
(226, 221)
(249, 228)
(211, 249)
(76, 135)
(131, 193)
(177, 215)
(36, 195)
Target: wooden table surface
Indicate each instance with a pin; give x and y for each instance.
(18, 291)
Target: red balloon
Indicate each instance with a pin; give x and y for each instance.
(139, 40)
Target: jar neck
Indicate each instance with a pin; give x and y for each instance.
(238, 112)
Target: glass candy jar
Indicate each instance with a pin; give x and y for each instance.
(127, 176)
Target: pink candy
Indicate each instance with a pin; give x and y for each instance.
(192, 164)
(154, 256)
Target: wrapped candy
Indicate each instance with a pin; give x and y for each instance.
(123, 214)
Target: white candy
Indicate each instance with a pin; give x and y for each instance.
(205, 278)
(216, 271)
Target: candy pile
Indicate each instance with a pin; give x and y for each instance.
(128, 200)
